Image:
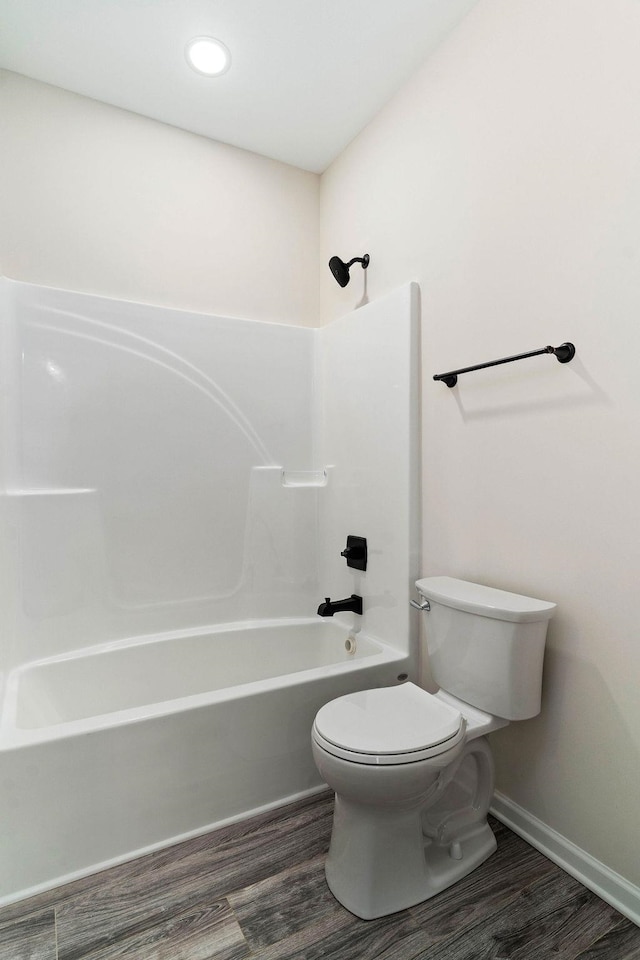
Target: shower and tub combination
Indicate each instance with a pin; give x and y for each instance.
(177, 492)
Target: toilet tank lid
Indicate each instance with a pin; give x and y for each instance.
(485, 601)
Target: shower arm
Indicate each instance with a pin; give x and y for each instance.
(363, 260)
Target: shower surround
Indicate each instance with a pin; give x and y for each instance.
(176, 491)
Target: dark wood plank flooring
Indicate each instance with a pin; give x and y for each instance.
(256, 890)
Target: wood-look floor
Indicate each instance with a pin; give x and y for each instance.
(257, 890)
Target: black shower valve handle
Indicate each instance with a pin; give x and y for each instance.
(355, 552)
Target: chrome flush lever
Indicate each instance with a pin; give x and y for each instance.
(425, 605)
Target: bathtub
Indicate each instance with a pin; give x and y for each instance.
(113, 751)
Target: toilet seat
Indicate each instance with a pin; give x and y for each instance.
(391, 725)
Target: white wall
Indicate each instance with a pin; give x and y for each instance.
(96, 199)
(505, 179)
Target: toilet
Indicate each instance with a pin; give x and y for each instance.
(412, 771)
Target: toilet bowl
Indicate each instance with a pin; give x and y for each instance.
(403, 829)
(412, 771)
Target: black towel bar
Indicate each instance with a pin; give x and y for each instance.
(564, 353)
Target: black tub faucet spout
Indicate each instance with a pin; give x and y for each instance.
(329, 607)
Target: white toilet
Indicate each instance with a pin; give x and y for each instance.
(412, 771)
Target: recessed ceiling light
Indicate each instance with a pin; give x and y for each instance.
(208, 56)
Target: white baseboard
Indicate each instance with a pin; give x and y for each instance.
(603, 881)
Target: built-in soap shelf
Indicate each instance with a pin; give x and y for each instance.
(304, 478)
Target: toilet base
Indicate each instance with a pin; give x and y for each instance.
(380, 865)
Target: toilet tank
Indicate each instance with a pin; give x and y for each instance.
(486, 646)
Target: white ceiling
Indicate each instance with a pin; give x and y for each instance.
(306, 75)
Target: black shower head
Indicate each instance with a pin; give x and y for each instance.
(340, 270)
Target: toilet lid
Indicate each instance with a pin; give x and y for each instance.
(391, 722)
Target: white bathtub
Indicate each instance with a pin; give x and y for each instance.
(111, 752)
